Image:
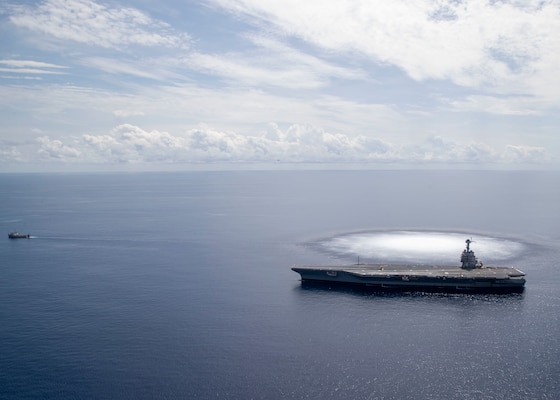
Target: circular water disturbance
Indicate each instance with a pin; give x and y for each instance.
(421, 247)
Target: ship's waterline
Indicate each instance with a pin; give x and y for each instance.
(419, 246)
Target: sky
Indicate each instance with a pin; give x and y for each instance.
(180, 83)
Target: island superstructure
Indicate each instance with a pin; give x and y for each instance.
(470, 276)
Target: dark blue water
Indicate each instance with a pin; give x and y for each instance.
(178, 286)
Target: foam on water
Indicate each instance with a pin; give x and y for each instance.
(419, 246)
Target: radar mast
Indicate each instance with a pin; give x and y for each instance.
(468, 259)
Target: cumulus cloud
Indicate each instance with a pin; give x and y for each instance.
(55, 149)
(86, 21)
(10, 153)
(437, 149)
(521, 154)
(129, 144)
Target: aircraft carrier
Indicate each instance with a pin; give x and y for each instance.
(470, 276)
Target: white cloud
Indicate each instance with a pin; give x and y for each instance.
(29, 64)
(131, 144)
(30, 67)
(184, 106)
(502, 105)
(440, 150)
(85, 21)
(10, 153)
(148, 69)
(323, 71)
(502, 47)
(238, 68)
(523, 154)
(55, 149)
(127, 113)
(272, 63)
(28, 71)
(350, 132)
(128, 143)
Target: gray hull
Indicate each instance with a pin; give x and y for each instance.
(417, 277)
(15, 235)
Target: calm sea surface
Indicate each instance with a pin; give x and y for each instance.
(178, 286)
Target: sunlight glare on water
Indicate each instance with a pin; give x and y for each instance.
(420, 246)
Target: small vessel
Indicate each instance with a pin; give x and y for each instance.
(470, 276)
(16, 235)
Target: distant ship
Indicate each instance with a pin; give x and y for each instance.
(16, 235)
(471, 276)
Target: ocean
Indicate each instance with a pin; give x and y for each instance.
(177, 285)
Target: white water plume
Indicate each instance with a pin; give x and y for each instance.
(421, 247)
